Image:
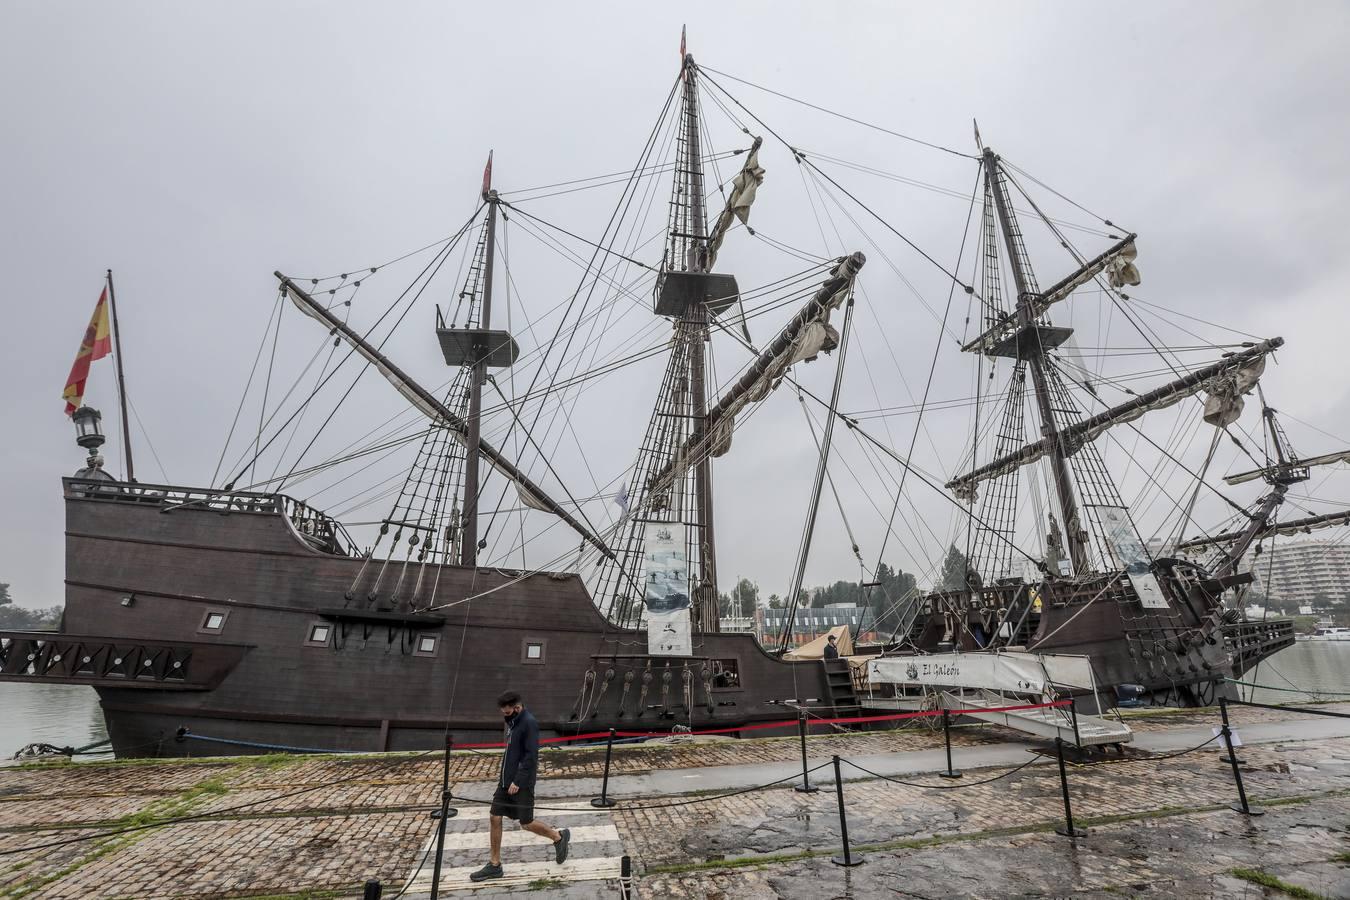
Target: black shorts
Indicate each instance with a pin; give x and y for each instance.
(518, 806)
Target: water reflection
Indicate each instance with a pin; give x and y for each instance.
(1300, 672)
(64, 715)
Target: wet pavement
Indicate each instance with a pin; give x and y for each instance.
(313, 827)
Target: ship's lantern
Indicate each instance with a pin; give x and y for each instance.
(88, 427)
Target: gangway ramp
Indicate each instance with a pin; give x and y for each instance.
(1048, 722)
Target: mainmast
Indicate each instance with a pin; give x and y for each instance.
(468, 552)
(121, 380)
(1033, 341)
(696, 315)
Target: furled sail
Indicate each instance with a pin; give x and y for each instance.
(1237, 372)
(530, 493)
(806, 335)
(743, 188)
(1326, 459)
(1283, 529)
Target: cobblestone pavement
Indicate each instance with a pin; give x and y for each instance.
(266, 825)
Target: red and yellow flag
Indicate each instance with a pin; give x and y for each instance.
(97, 344)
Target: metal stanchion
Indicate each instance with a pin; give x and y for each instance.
(603, 800)
(947, 738)
(1230, 756)
(1068, 830)
(806, 787)
(1073, 714)
(1242, 805)
(846, 859)
(626, 876)
(443, 814)
(372, 891)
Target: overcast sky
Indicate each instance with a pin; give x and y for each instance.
(195, 148)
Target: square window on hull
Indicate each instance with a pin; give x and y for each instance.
(318, 635)
(213, 622)
(533, 651)
(425, 645)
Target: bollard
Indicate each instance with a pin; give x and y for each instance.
(445, 812)
(372, 891)
(805, 787)
(603, 800)
(1230, 756)
(626, 876)
(947, 738)
(1068, 830)
(1242, 805)
(847, 858)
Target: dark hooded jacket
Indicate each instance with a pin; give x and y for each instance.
(520, 759)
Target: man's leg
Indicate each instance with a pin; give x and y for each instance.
(540, 829)
(496, 839)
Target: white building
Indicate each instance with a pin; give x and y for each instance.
(1307, 573)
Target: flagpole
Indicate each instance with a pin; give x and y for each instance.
(121, 380)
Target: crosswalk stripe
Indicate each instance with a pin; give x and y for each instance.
(479, 840)
(546, 811)
(457, 878)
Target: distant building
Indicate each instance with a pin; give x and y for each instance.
(1304, 573)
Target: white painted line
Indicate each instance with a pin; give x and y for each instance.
(457, 878)
(478, 840)
(555, 808)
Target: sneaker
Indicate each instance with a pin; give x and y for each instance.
(488, 871)
(560, 846)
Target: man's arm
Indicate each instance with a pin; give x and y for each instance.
(529, 754)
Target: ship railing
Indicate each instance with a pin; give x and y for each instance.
(317, 529)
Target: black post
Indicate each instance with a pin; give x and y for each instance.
(443, 814)
(372, 891)
(1230, 757)
(1073, 714)
(626, 876)
(1242, 805)
(805, 787)
(947, 738)
(847, 858)
(1068, 830)
(603, 800)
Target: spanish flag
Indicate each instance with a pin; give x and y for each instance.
(97, 344)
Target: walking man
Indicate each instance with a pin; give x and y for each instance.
(514, 797)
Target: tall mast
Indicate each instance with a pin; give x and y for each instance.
(468, 551)
(121, 380)
(1027, 291)
(697, 316)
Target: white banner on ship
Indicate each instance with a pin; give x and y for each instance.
(666, 589)
(1023, 673)
(1130, 555)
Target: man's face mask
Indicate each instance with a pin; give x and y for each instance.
(508, 712)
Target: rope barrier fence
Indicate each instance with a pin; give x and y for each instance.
(1224, 732)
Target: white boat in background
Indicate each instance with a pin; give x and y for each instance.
(1329, 633)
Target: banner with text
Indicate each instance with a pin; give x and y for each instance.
(666, 589)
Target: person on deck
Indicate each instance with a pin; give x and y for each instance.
(514, 797)
(831, 650)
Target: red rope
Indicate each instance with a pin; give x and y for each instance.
(785, 723)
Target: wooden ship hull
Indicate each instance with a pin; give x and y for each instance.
(194, 616)
(148, 567)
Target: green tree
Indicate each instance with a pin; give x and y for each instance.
(776, 602)
(5, 598)
(892, 597)
(745, 597)
(955, 571)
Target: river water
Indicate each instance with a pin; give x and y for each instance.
(69, 716)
